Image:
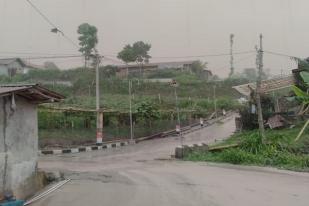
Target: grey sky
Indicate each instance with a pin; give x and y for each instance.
(173, 27)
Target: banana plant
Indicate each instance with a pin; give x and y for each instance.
(303, 97)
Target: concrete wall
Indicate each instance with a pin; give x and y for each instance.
(18, 143)
(4, 70)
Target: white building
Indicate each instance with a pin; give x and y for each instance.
(12, 66)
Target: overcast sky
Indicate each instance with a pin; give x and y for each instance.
(175, 28)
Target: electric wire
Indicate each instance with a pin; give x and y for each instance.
(51, 23)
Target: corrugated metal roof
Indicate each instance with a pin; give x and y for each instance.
(244, 89)
(4, 90)
(267, 85)
(32, 92)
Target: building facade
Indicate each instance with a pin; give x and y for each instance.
(19, 135)
(12, 66)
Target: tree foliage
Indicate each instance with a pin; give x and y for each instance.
(147, 112)
(138, 52)
(127, 54)
(198, 67)
(88, 39)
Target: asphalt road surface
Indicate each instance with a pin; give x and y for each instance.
(144, 175)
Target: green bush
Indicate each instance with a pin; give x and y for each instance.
(278, 150)
(238, 156)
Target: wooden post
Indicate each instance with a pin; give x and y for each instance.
(302, 131)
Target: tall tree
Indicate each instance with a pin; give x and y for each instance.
(138, 52)
(127, 54)
(88, 40)
(141, 50)
(198, 67)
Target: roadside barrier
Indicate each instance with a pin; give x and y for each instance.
(85, 149)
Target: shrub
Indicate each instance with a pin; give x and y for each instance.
(238, 156)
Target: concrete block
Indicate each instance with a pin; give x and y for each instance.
(182, 151)
(74, 150)
(179, 152)
(57, 151)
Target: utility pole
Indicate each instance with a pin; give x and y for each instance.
(131, 121)
(231, 54)
(258, 88)
(178, 117)
(97, 92)
(215, 101)
(178, 127)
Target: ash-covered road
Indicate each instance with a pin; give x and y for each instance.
(143, 174)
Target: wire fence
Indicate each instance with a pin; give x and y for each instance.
(76, 128)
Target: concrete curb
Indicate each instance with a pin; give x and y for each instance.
(182, 151)
(85, 148)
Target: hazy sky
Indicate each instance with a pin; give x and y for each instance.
(173, 27)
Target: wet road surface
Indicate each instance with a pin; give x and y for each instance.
(143, 174)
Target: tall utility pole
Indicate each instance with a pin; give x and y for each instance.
(131, 121)
(178, 116)
(97, 92)
(258, 88)
(178, 127)
(231, 54)
(215, 101)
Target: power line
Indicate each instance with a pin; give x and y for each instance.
(281, 54)
(239, 60)
(41, 13)
(33, 53)
(194, 56)
(207, 55)
(55, 28)
(53, 57)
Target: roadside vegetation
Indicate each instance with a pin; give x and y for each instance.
(278, 150)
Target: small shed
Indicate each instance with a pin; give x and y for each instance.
(19, 134)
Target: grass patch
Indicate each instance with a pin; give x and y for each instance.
(279, 150)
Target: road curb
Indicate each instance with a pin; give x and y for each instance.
(182, 151)
(85, 148)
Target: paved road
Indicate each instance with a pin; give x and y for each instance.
(143, 174)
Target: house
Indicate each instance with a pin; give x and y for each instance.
(19, 135)
(124, 70)
(12, 66)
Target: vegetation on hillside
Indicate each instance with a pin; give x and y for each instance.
(78, 85)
